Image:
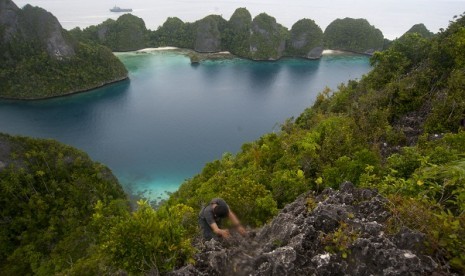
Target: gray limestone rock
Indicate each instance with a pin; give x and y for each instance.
(34, 25)
(208, 36)
(315, 53)
(38, 24)
(8, 19)
(306, 40)
(267, 40)
(294, 244)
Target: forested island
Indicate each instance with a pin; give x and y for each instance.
(395, 140)
(258, 38)
(39, 59)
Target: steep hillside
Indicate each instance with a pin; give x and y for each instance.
(237, 35)
(38, 59)
(400, 130)
(306, 40)
(355, 35)
(48, 192)
(63, 214)
(343, 232)
(208, 34)
(267, 39)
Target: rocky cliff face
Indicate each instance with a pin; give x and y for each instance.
(34, 25)
(208, 34)
(127, 33)
(268, 38)
(43, 26)
(306, 40)
(240, 19)
(8, 19)
(335, 233)
(238, 36)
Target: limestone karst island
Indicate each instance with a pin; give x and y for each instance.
(368, 180)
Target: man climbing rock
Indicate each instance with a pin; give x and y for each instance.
(210, 218)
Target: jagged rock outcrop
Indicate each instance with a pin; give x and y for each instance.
(34, 24)
(335, 233)
(208, 34)
(268, 38)
(44, 27)
(315, 53)
(8, 19)
(306, 40)
(240, 19)
(238, 36)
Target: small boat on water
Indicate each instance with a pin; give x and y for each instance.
(118, 9)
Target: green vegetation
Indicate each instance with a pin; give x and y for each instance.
(340, 240)
(48, 193)
(381, 132)
(63, 214)
(268, 38)
(237, 34)
(127, 33)
(421, 30)
(356, 35)
(399, 130)
(39, 59)
(305, 35)
(209, 34)
(259, 39)
(36, 75)
(175, 33)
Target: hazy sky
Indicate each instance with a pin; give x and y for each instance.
(392, 17)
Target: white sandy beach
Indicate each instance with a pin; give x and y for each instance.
(157, 49)
(333, 52)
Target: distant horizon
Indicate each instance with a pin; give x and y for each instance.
(392, 17)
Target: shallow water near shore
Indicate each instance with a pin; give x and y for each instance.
(161, 126)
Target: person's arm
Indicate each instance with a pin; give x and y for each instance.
(220, 232)
(236, 223)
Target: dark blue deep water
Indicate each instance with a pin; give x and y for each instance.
(161, 127)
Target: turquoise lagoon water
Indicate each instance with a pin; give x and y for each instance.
(161, 126)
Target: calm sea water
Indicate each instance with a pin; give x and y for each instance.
(392, 17)
(163, 125)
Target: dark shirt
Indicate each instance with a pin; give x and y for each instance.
(207, 218)
(207, 211)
